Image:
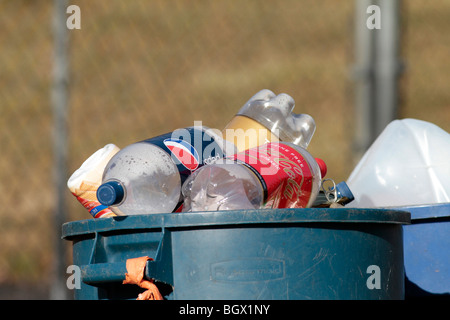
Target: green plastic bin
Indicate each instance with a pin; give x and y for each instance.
(245, 254)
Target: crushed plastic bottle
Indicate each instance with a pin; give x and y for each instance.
(275, 175)
(267, 117)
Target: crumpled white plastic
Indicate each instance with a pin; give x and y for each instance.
(408, 164)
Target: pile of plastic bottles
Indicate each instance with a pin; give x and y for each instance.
(258, 161)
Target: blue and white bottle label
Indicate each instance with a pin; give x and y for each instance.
(190, 148)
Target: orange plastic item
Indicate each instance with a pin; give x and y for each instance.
(135, 275)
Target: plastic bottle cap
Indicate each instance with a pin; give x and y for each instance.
(322, 166)
(344, 191)
(275, 113)
(110, 193)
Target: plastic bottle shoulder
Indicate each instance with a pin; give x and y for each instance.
(275, 113)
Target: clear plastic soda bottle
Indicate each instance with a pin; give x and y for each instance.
(274, 175)
(267, 117)
(146, 177)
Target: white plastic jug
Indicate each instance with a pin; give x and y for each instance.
(408, 164)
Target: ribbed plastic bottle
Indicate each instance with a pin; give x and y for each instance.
(146, 177)
(274, 175)
(267, 117)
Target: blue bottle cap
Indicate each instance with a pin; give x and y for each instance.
(344, 191)
(110, 193)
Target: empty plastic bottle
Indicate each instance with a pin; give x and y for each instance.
(267, 117)
(275, 175)
(146, 177)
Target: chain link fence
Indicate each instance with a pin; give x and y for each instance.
(144, 67)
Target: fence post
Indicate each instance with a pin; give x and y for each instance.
(376, 72)
(363, 75)
(59, 101)
(388, 66)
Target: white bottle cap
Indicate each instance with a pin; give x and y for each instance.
(275, 113)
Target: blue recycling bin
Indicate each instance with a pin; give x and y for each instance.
(427, 250)
(291, 254)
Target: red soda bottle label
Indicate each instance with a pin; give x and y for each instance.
(284, 173)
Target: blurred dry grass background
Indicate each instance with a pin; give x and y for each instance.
(144, 67)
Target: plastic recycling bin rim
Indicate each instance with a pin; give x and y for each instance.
(425, 211)
(236, 217)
